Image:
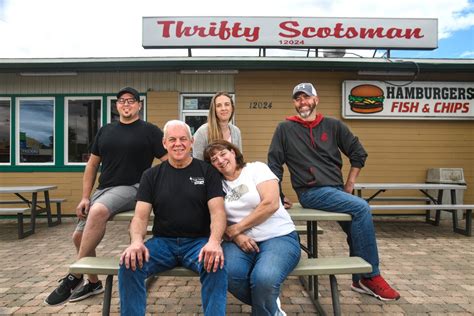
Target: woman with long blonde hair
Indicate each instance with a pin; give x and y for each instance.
(219, 125)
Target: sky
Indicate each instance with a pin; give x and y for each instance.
(113, 28)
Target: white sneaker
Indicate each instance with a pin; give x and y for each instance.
(280, 312)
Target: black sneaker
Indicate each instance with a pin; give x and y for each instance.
(63, 292)
(88, 289)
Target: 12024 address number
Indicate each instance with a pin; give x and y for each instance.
(291, 42)
(266, 105)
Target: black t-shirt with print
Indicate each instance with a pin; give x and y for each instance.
(179, 198)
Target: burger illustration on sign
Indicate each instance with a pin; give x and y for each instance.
(366, 99)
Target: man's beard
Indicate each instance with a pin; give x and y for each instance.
(307, 113)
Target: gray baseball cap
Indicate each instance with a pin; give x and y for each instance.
(306, 88)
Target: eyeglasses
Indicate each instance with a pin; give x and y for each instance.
(128, 101)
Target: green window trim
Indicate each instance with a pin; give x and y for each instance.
(59, 134)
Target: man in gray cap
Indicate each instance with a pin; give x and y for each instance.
(125, 148)
(311, 145)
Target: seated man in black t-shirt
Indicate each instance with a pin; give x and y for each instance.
(187, 200)
(124, 149)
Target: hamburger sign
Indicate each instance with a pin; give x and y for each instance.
(366, 98)
(398, 100)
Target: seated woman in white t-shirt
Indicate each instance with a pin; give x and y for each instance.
(262, 247)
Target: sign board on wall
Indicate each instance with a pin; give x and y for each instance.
(185, 32)
(399, 100)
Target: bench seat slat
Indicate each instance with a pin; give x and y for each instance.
(311, 266)
(13, 210)
(23, 202)
(306, 266)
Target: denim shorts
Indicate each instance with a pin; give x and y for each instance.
(117, 199)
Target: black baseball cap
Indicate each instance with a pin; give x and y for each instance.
(130, 90)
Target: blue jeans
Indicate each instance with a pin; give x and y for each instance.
(165, 254)
(255, 278)
(360, 231)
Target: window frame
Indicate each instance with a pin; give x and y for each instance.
(17, 131)
(9, 163)
(66, 125)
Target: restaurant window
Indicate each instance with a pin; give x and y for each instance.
(194, 109)
(35, 131)
(5, 125)
(83, 118)
(113, 114)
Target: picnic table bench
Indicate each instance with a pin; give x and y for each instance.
(311, 266)
(452, 208)
(32, 206)
(431, 200)
(109, 266)
(58, 203)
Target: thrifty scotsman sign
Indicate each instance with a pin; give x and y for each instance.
(169, 32)
(417, 100)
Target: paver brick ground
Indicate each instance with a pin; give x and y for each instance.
(432, 267)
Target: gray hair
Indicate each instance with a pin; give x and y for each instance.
(177, 123)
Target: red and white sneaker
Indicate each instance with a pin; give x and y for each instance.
(378, 287)
(355, 286)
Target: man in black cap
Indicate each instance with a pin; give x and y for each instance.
(310, 144)
(125, 148)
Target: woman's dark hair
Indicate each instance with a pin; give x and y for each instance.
(221, 144)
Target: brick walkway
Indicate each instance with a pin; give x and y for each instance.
(432, 267)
